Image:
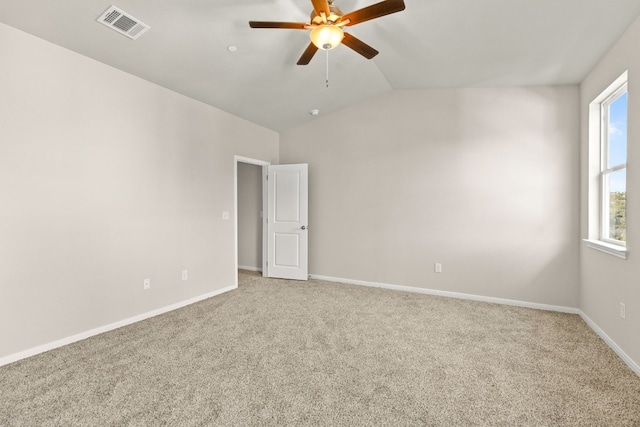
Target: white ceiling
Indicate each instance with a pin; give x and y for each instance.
(431, 44)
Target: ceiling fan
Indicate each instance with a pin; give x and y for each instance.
(326, 26)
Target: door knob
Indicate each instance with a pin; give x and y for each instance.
(304, 227)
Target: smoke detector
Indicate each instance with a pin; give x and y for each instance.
(123, 23)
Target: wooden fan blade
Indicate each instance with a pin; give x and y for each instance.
(285, 25)
(308, 54)
(321, 6)
(374, 11)
(359, 46)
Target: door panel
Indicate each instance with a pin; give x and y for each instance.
(287, 221)
(287, 248)
(287, 196)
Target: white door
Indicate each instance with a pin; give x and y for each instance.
(287, 228)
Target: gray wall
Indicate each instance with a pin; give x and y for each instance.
(249, 219)
(105, 180)
(607, 281)
(483, 181)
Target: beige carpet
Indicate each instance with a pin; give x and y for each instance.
(316, 353)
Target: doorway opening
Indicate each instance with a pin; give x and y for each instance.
(250, 203)
(276, 236)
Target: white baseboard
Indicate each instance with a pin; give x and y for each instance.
(447, 294)
(78, 337)
(106, 328)
(246, 267)
(611, 343)
(630, 362)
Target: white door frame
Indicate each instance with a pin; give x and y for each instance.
(264, 165)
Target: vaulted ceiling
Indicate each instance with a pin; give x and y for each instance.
(431, 44)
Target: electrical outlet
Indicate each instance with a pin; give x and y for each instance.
(623, 310)
(185, 274)
(147, 283)
(225, 215)
(438, 267)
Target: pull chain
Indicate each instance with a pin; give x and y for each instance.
(327, 68)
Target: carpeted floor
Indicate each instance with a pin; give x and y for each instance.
(289, 353)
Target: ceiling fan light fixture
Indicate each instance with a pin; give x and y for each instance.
(326, 36)
(326, 25)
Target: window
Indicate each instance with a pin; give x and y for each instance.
(608, 169)
(613, 167)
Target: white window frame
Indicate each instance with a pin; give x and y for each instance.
(599, 170)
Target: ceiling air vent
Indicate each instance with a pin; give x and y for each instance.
(123, 23)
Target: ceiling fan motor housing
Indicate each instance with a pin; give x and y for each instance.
(336, 14)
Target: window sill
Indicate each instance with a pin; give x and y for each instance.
(611, 249)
